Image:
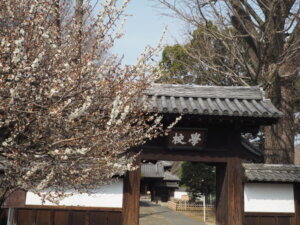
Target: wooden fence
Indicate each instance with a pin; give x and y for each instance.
(186, 206)
(269, 218)
(61, 217)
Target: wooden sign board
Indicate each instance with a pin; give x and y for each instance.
(185, 198)
(187, 139)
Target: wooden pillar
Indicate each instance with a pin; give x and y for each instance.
(234, 179)
(229, 205)
(235, 192)
(131, 197)
(297, 203)
(153, 194)
(221, 195)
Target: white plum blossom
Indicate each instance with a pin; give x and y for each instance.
(17, 53)
(70, 110)
(79, 111)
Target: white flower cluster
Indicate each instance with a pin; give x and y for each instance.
(18, 50)
(80, 111)
(69, 151)
(69, 108)
(115, 110)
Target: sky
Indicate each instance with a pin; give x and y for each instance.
(145, 27)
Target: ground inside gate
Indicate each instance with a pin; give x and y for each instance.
(153, 214)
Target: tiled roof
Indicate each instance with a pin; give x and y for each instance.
(251, 148)
(170, 184)
(272, 172)
(166, 163)
(168, 176)
(150, 170)
(210, 100)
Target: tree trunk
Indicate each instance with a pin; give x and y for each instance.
(279, 138)
(79, 25)
(57, 20)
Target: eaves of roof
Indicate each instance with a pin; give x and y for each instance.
(286, 173)
(152, 170)
(232, 101)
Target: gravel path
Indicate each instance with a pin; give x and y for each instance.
(152, 214)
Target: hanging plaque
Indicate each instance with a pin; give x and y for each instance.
(187, 138)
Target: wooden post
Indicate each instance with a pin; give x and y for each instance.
(234, 180)
(235, 192)
(131, 197)
(10, 216)
(221, 195)
(229, 186)
(297, 203)
(204, 209)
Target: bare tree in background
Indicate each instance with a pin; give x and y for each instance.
(69, 111)
(260, 45)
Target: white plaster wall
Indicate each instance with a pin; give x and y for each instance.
(264, 197)
(178, 194)
(109, 196)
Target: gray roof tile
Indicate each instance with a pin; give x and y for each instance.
(152, 170)
(157, 170)
(210, 100)
(251, 148)
(168, 176)
(272, 172)
(165, 163)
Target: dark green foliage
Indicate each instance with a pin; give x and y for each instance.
(202, 60)
(174, 64)
(199, 178)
